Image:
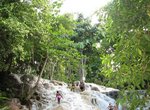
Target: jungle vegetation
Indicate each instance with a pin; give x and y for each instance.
(36, 39)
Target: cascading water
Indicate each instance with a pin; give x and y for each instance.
(71, 100)
(93, 98)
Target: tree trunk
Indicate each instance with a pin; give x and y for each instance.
(31, 92)
(82, 70)
(53, 65)
(52, 72)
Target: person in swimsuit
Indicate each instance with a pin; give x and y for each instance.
(58, 96)
(110, 107)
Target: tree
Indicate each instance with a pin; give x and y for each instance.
(32, 34)
(86, 38)
(127, 32)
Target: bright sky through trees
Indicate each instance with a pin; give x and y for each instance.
(86, 7)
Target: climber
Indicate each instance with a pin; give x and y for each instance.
(94, 99)
(82, 86)
(110, 107)
(73, 87)
(58, 96)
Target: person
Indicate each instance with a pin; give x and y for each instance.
(58, 96)
(94, 101)
(110, 107)
(82, 86)
(115, 107)
(73, 87)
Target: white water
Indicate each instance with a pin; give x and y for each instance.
(71, 100)
(74, 100)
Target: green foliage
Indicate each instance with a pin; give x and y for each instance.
(86, 37)
(126, 31)
(3, 101)
(32, 30)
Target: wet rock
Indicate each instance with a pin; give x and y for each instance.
(77, 83)
(62, 107)
(23, 107)
(112, 94)
(28, 79)
(14, 104)
(46, 85)
(95, 88)
(11, 84)
(58, 83)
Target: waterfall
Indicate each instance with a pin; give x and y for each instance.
(71, 100)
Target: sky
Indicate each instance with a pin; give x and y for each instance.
(86, 7)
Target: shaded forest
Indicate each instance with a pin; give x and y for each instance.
(35, 39)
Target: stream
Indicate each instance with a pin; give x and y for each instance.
(71, 100)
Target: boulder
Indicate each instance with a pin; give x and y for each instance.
(112, 94)
(27, 78)
(95, 88)
(14, 104)
(46, 85)
(11, 84)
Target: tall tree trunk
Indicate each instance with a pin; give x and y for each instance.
(68, 71)
(53, 65)
(82, 70)
(31, 92)
(52, 72)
